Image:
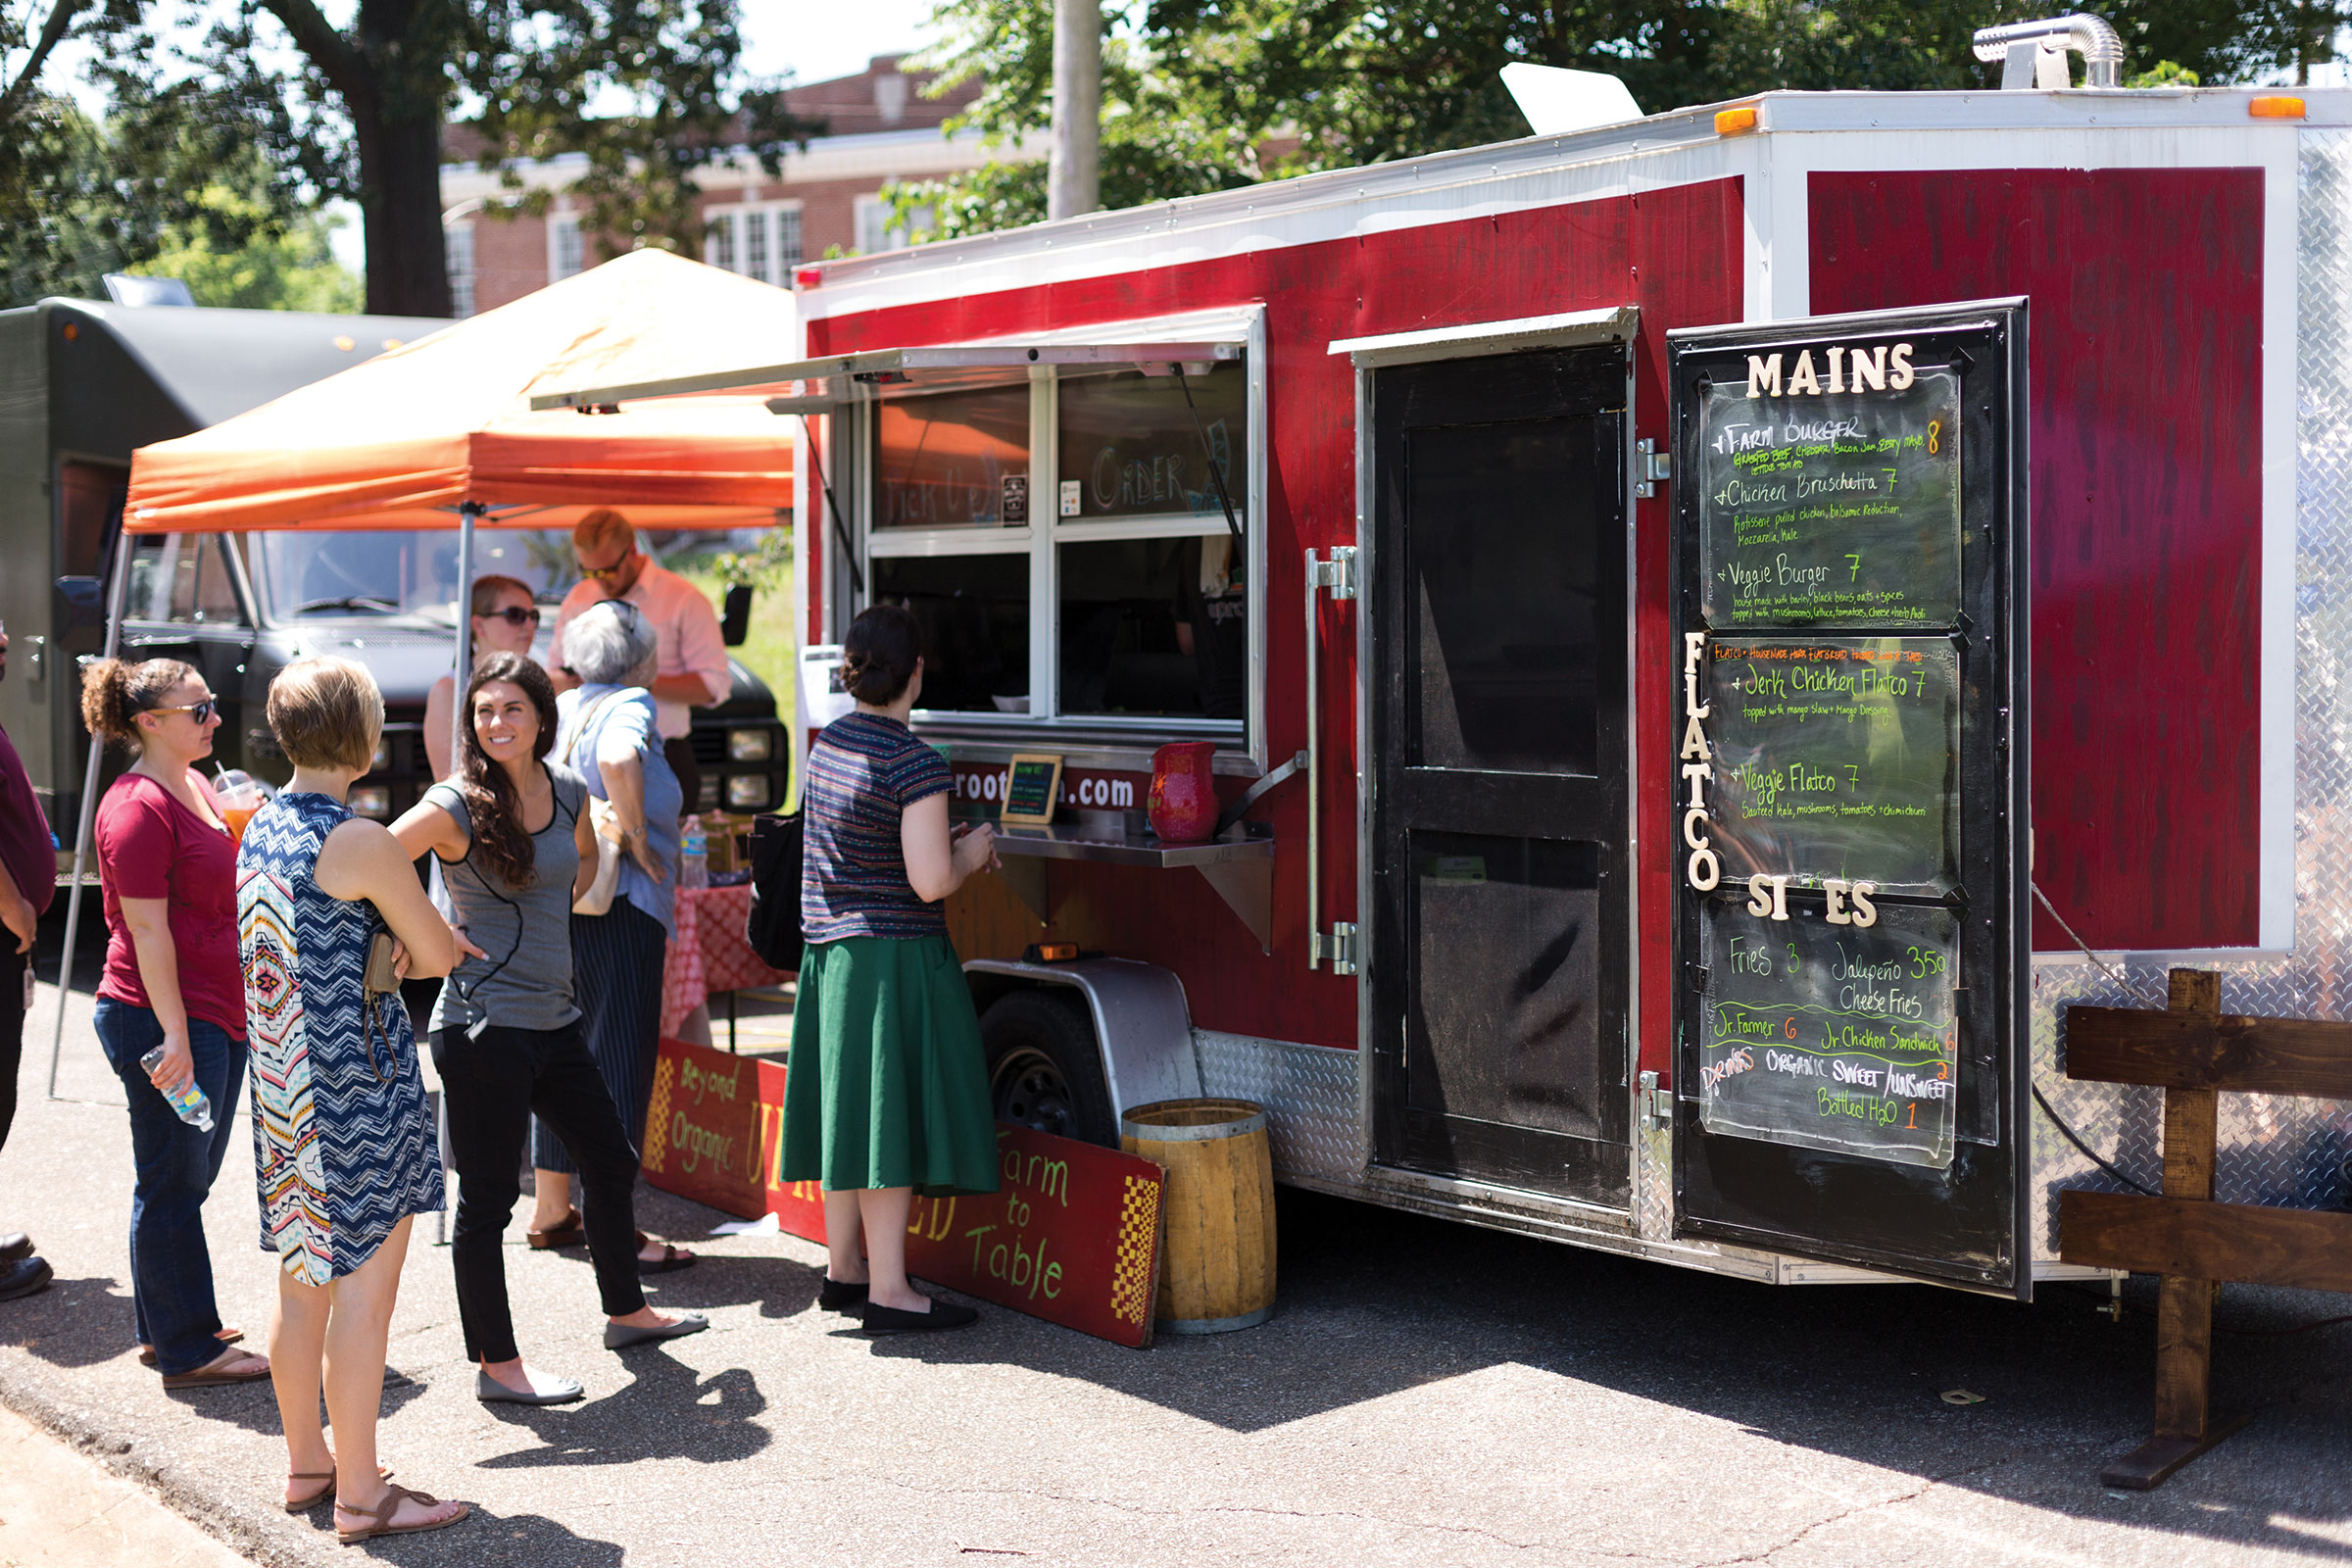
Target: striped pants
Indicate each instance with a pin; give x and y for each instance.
(616, 974)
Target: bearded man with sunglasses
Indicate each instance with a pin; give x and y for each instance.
(693, 668)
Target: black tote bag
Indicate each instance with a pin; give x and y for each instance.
(773, 929)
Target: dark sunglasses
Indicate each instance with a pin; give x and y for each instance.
(516, 615)
(199, 711)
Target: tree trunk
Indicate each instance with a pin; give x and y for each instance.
(400, 211)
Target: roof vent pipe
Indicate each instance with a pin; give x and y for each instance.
(2034, 52)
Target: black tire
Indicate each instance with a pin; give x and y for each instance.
(1045, 1070)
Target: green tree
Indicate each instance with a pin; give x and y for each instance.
(648, 90)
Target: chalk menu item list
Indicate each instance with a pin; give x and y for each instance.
(1837, 758)
(1836, 510)
(1837, 1038)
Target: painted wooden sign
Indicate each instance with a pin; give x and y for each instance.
(1072, 1233)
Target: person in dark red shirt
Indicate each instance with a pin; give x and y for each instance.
(169, 868)
(27, 876)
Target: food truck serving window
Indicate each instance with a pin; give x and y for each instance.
(1075, 545)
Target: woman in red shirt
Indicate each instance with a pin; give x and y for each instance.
(170, 870)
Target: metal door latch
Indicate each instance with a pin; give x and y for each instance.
(1650, 466)
(1657, 1105)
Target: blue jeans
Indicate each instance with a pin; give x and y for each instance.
(170, 1269)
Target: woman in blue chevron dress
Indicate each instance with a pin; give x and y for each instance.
(344, 1151)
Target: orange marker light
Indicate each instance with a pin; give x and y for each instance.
(2276, 108)
(345, 343)
(1733, 121)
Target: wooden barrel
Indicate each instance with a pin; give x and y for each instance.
(1216, 1270)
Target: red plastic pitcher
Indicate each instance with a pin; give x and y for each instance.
(1184, 796)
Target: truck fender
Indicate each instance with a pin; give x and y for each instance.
(1142, 1025)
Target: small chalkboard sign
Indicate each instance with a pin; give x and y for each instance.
(1837, 1036)
(1837, 508)
(1836, 757)
(1032, 789)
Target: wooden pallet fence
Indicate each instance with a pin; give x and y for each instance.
(2195, 1052)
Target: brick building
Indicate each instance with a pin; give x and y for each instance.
(879, 129)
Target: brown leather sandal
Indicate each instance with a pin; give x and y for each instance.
(226, 1337)
(568, 1233)
(305, 1504)
(383, 1511)
(214, 1374)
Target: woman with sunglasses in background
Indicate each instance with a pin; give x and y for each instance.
(169, 868)
(505, 620)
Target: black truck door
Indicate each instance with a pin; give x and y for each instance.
(1849, 777)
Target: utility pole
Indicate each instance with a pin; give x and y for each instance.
(1074, 171)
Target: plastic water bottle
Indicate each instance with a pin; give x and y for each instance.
(187, 1098)
(694, 859)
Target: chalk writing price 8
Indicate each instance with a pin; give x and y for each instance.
(1828, 502)
(1832, 1037)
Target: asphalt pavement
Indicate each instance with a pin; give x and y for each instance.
(1428, 1394)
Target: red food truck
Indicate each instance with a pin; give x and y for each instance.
(1712, 631)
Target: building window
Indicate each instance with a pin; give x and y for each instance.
(758, 240)
(1067, 546)
(755, 245)
(873, 235)
(562, 247)
(457, 247)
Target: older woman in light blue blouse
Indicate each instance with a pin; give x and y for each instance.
(606, 729)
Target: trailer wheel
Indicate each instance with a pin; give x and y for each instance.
(1045, 1070)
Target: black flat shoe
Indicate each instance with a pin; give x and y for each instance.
(842, 1296)
(944, 1315)
(13, 1245)
(23, 1277)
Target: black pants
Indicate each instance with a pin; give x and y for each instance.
(678, 752)
(617, 962)
(494, 1084)
(13, 966)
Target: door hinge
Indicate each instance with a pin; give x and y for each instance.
(1338, 945)
(1335, 573)
(1650, 467)
(1657, 1105)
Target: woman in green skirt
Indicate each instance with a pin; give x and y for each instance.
(886, 1091)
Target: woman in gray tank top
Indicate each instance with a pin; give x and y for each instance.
(512, 833)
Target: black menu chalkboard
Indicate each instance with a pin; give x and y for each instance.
(1836, 757)
(1835, 1037)
(1851, 771)
(1828, 506)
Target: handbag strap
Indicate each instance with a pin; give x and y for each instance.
(581, 734)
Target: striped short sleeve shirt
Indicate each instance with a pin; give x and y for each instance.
(863, 772)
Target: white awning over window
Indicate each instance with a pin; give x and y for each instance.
(1193, 340)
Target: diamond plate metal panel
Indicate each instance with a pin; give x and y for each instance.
(2291, 1152)
(1309, 1092)
(1653, 1178)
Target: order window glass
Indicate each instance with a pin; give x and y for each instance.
(1135, 448)
(1155, 627)
(975, 616)
(942, 461)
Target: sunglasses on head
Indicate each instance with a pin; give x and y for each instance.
(516, 615)
(199, 711)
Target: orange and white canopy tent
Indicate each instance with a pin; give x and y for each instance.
(409, 437)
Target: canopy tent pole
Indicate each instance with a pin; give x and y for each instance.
(117, 591)
(468, 514)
